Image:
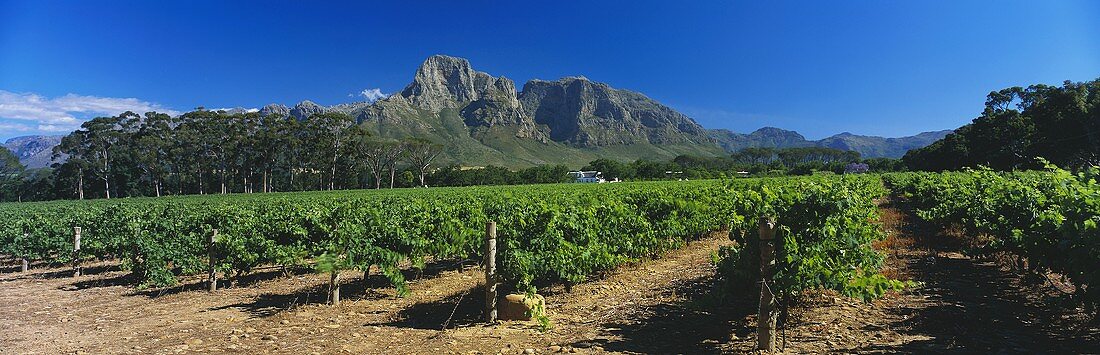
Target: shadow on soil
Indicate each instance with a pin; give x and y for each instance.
(976, 306)
(372, 288)
(58, 272)
(456, 310)
(699, 324)
(270, 304)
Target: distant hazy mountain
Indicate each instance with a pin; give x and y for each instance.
(483, 120)
(33, 151)
(871, 146)
(768, 137)
(867, 146)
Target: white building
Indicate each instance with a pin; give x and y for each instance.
(587, 176)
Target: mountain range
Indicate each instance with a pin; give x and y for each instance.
(483, 120)
(867, 146)
(33, 151)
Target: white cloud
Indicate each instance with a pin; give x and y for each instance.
(372, 95)
(15, 127)
(65, 113)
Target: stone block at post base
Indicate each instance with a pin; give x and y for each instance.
(520, 307)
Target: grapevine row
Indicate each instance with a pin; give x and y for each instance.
(546, 234)
(1049, 218)
(826, 229)
(549, 233)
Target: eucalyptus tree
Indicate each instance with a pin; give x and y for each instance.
(75, 166)
(185, 153)
(420, 152)
(1061, 124)
(10, 175)
(330, 132)
(218, 139)
(392, 155)
(92, 148)
(270, 141)
(150, 143)
(246, 156)
(290, 155)
(201, 135)
(755, 155)
(373, 152)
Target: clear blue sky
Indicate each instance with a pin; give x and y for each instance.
(888, 68)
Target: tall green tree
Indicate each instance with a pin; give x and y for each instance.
(150, 145)
(420, 152)
(270, 141)
(755, 155)
(1018, 125)
(329, 132)
(10, 175)
(375, 153)
(93, 147)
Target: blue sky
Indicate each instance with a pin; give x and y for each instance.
(887, 68)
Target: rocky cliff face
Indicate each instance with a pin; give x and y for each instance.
(445, 83)
(34, 151)
(588, 114)
(303, 110)
(481, 115)
(275, 109)
(574, 111)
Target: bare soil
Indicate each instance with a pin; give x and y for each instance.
(634, 309)
(657, 306)
(961, 305)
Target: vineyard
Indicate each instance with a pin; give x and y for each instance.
(828, 232)
(1046, 220)
(548, 234)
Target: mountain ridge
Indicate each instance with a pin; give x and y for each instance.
(867, 146)
(484, 120)
(33, 151)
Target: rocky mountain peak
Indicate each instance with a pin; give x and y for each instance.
(449, 101)
(303, 110)
(34, 151)
(275, 109)
(589, 114)
(449, 82)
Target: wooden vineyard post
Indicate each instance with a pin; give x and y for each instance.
(76, 251)
(334, 288)
(212, 275)
(766, 318)
(25, 264)
(491, 272)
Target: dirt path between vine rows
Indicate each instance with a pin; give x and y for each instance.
(643, 308)
(976, 305)
(963, 305)
(658, 306)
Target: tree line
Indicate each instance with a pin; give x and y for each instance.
(754, 161)
(215, 152)
(204, 152)
(1018, 125)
